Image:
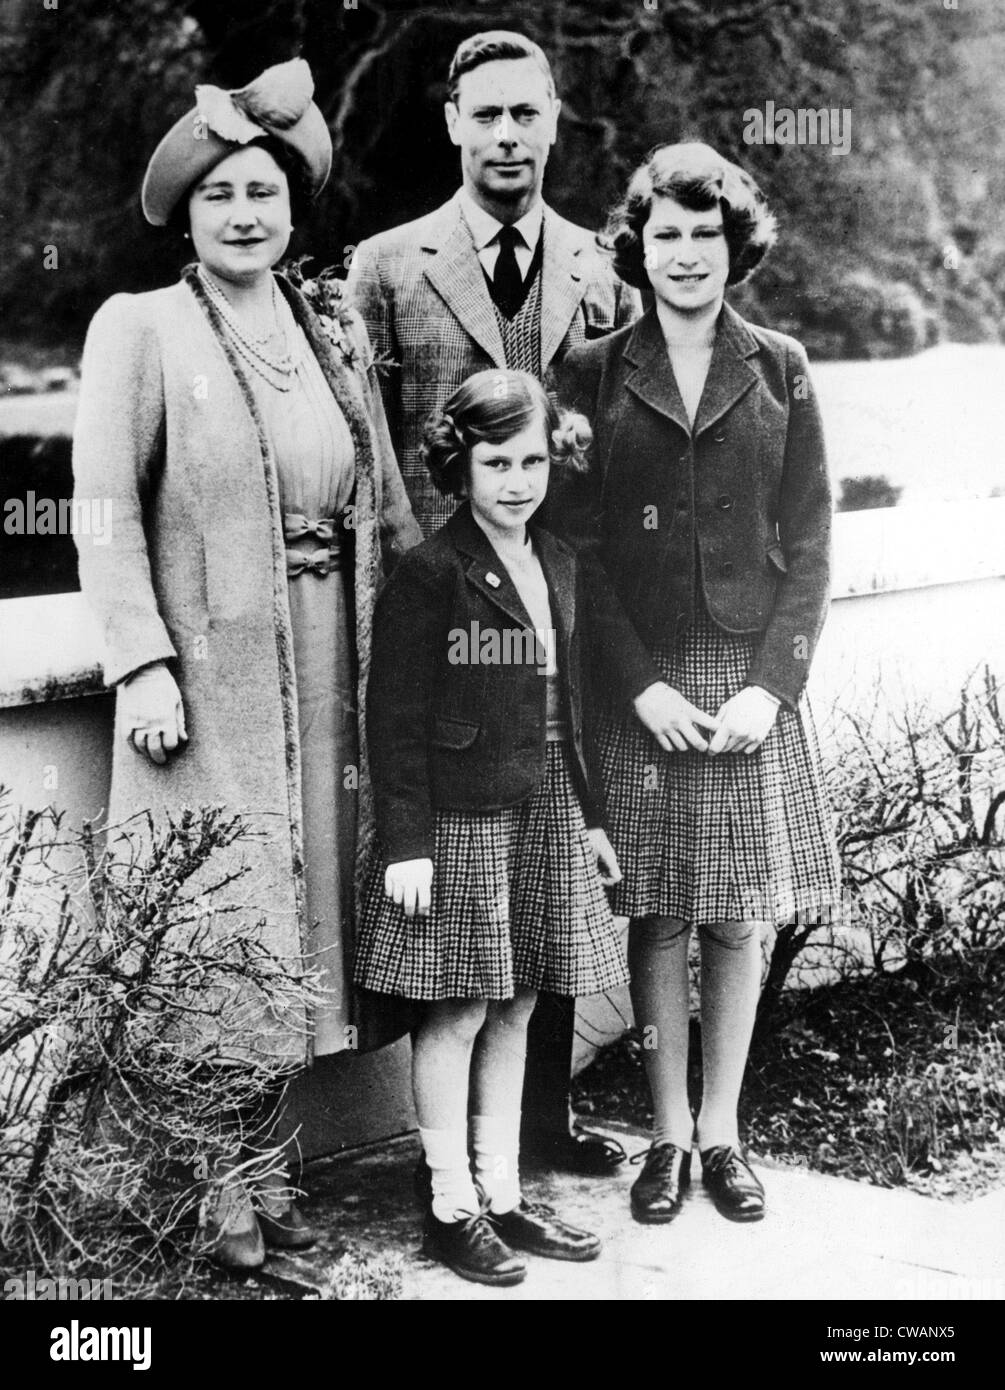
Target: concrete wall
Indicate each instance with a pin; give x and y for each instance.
(919, 603)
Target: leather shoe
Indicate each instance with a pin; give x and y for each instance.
(658, 1191)
(289, 1231)
(472, 1248)
(534, 1228)
(238, 1251)
(732, 1184)
(238, 1254)
(588, 1155)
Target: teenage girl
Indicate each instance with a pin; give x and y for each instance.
(490, 881)
(708, 503)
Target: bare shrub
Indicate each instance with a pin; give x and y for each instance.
(112, 1131)
(920, 807)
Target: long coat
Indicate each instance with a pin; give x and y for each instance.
(422, 293)
(169, 435)
(734, 512)
(465, 729)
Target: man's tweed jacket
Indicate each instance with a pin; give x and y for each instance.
(423, 296)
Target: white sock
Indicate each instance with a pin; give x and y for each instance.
(454, 1192)
(496, 1143)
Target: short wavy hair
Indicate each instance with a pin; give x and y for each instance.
(695, 176)
(491, 407)
(492, 46)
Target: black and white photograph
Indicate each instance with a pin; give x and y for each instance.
(502, 643)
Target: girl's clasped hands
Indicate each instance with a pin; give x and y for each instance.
(740, 725)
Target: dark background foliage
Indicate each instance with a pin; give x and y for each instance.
(884, 249)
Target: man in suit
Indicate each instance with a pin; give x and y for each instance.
(495, 277)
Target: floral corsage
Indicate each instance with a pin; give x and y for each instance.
(325, 293)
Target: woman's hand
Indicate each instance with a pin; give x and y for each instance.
(152, 714)
(672, 720)
(410, 885)
(607, 861)
(745, 721)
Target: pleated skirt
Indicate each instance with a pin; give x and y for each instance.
(737, 837)
(516, 901)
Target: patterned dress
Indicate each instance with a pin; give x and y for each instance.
(737, 837)
(516, 901)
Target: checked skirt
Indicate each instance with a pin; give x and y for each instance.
(737, 837)
(516, 900)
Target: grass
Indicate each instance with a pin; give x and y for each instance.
(897, 1080)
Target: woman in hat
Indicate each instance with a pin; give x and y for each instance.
(256, 501)
(708, 503)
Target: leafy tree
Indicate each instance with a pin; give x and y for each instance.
(86, 91)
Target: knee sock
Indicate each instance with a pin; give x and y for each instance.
(496, 1143)
(454, 1193)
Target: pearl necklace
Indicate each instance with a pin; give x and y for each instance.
(276, 370)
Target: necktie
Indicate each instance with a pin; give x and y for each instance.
(507, 282)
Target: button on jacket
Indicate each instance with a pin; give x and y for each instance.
(735, 513)
(448, 731)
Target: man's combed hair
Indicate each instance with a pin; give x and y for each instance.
(695, 176)
(491, 47)
(490, 407)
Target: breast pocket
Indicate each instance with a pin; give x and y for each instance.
(598, 316)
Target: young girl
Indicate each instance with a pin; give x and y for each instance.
(486, 811)
(708, 502)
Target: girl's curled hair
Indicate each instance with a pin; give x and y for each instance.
(491, 407)
(698, 178)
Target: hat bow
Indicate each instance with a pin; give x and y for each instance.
(276, 100)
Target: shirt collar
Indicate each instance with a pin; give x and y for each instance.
(484, 227)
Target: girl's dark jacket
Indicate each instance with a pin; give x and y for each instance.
(736, 511)
(448, 732)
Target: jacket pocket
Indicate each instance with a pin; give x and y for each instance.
(598, 315)
(777, 557)
(454, 733)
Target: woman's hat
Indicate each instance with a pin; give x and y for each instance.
(277, 103)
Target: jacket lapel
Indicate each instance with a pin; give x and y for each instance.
(650, 375)
(484, 570)
(563, 284)
(730, 376)
(454, 271)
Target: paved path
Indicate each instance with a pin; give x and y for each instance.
(823, 1238)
